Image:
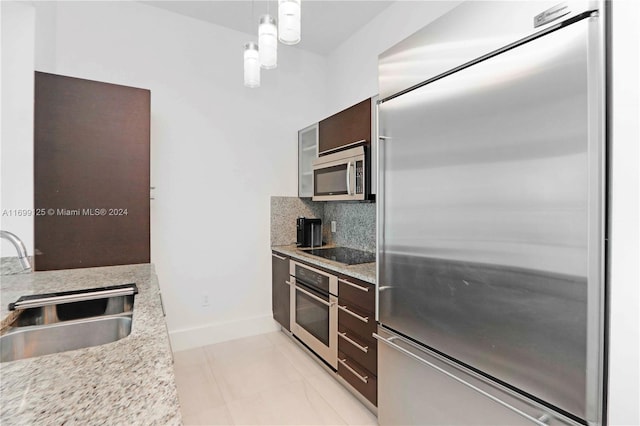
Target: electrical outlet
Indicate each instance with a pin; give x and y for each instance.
(333, 226)
(205, 300)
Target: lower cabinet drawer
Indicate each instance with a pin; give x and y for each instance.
(357, 293)
(359, 377)
(364, 352)
(354, 319)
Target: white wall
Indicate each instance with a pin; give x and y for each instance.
(624, 348)
(353, 66)
(16, 145)
(219, 150)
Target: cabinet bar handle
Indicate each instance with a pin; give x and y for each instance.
(278, 257)
(353, 314)
(363, 379)
(353, 285)
(364, 349)
(288, 283)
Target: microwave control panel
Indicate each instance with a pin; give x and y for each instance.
(359, 177)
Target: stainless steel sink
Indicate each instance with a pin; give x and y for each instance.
(66, 321)
(40, 340)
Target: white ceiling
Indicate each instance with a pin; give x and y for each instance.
(325, 23)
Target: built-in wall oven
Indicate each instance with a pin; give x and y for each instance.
(314, 310)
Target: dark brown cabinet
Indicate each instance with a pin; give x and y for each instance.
(280, 289)
(347, 128)
(357, 348)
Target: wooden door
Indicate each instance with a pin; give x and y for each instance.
(91, 162)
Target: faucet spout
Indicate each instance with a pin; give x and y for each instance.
(19, 245)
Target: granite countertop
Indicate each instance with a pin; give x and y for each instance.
(364, 271)
(130, 381)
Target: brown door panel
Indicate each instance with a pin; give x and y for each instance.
(91, 152)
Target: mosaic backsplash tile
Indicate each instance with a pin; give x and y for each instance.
(355, 222)
(284, 211)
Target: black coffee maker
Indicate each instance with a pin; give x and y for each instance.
(309, 232)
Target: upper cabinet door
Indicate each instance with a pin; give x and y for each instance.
(345, 129)
(307, 153)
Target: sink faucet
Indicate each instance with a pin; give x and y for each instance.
(19, 245)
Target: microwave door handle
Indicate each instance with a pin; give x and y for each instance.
(349, 178)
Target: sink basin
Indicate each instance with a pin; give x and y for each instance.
(60, 322)
(27, 342)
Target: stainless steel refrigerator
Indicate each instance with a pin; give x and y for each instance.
(491, 217)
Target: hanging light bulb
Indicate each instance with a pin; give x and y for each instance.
(289, 21)
(251, 65)
(268, 42)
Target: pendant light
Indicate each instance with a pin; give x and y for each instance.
(251, 61)
(289, 21)
(268, 42)
(251, 65)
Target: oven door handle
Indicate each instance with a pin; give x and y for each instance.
(324, 302)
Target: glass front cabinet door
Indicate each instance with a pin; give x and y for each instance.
(307, 153)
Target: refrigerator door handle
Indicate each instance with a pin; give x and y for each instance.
(390, 342)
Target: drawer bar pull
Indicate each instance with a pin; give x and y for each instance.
(363, 379)
(353, 314)
(278, 257)
(353, 285)
(364, 349)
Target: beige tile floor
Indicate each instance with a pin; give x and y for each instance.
(261, 380)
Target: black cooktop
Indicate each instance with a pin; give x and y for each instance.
(344, 255)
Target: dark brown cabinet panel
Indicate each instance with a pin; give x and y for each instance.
(358, 377)
(345, 128)
(361, 323)
(357, 293)
(280, 290)
(355, 347)
(91, 164)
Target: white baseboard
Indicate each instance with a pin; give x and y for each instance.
(188, 338)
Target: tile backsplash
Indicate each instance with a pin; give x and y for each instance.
(284, 211)
(355, 222)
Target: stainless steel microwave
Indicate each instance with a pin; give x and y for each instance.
(342, 176)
